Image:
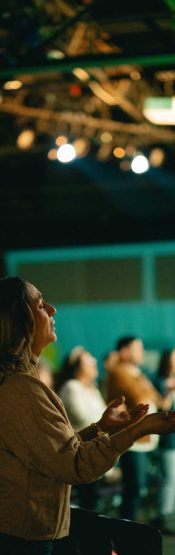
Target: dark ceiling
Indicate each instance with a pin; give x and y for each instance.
(127, 50)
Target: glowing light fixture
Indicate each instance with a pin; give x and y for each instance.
(66, 153)
(130, 150)
(106, 137)
(125, 165)
(75, 90)
(12, 85)
(156, 157)
(82, 146)
(135, 75)
(26, 139)
(61, 140)
(81, 73)
(55, 54)
(160, 110)
(119, 152)
(139, 164)
(52, 154)
(104, 153)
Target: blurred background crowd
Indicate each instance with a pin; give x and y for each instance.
(142, 485)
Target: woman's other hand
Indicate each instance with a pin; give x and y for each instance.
(156, 423)
(116, 416)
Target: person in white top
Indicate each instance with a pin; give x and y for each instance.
(79, 393)
(84, 404)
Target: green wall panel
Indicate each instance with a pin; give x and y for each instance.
(102, 293)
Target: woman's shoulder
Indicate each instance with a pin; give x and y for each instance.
(20, 385)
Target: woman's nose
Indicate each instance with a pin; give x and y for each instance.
(51, 310)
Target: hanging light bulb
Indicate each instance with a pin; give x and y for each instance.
(139, 164)
(66, 153)
(26, 139)
(52, 154)
(125, 165)
(106, 137)
(119, 152)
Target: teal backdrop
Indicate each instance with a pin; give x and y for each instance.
(102, 293)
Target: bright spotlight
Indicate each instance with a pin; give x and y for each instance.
(140, 164)
(66, 153)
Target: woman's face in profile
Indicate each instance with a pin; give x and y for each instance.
(88, 366)
(43, 317)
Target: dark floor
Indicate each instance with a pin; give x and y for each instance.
(110, 497)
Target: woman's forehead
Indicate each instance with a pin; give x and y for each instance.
(33, 291)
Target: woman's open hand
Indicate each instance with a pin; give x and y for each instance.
(116, 416)
(155, 423)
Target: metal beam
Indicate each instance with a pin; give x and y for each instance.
(154, 133)
(68, 64)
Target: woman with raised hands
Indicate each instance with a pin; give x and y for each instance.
(40, 454)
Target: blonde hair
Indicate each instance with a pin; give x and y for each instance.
(16, 328)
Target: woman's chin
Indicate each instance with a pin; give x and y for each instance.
(53, 336)
(50, 339)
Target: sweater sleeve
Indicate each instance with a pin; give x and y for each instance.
(39, 434)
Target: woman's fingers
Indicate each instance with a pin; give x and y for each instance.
(139, 407)
(158, 423)
(134, 411)
(168, 421)
(116, 418)
(117, 402)
(131, 414)
(126, 416)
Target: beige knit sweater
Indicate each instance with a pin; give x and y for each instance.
(41, 456)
